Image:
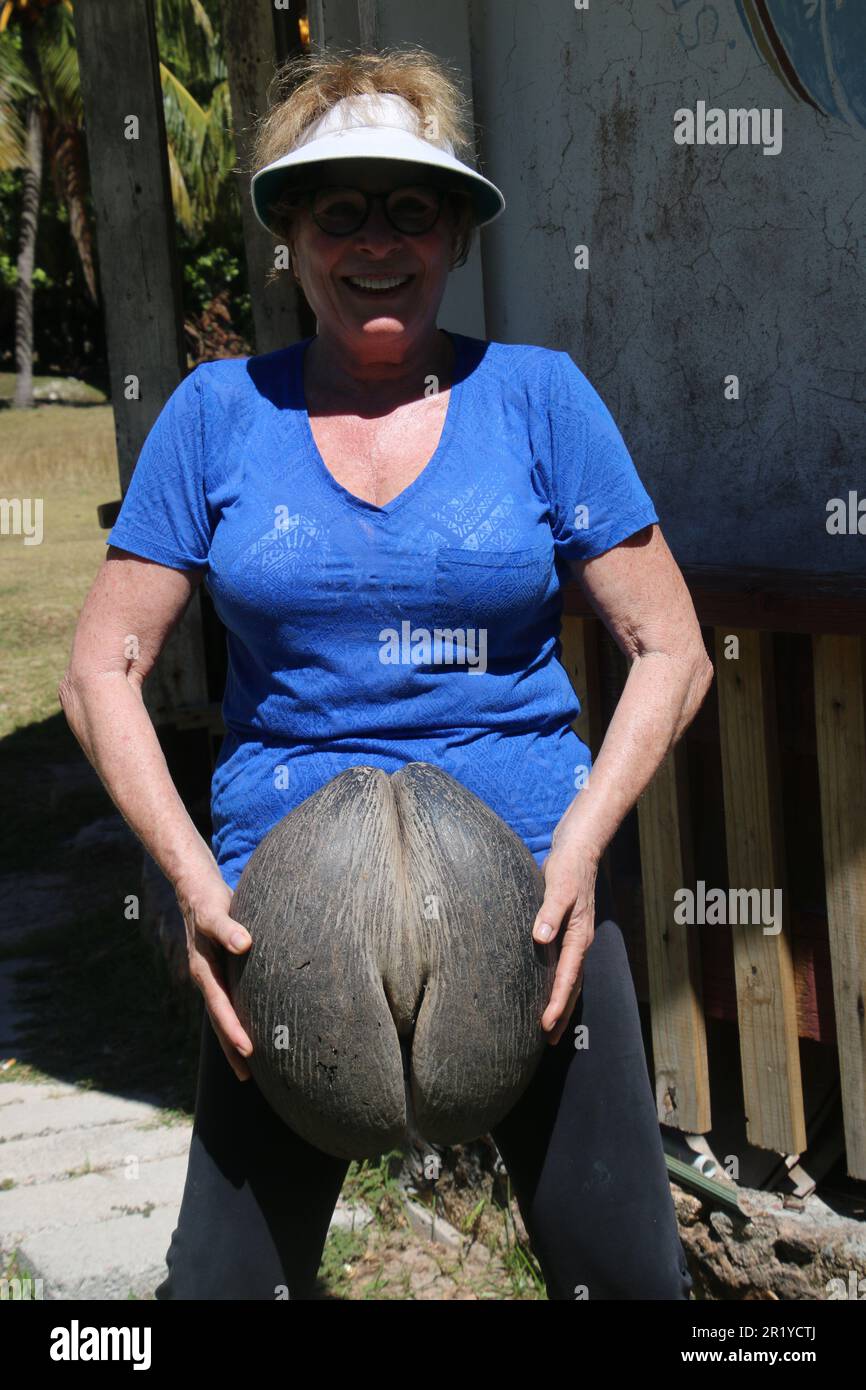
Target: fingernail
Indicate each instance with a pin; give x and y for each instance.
(239, 939)
(543, 932)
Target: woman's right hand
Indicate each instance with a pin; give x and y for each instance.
(205, 908)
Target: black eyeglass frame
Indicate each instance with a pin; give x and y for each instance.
(308, 194)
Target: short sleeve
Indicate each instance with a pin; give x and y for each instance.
(164, 515)
(596, 496)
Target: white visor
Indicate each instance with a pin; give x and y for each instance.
(376, 126)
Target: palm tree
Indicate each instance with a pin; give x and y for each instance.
(40, 108)
(197, 106)
(41, 113)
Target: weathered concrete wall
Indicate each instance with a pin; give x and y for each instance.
(704, 260)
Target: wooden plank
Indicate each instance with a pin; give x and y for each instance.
(764, 600)
(334, 23)
(673, 952)
(138, 268)
(841, 738)
(107, 513)
(251, 57)
(579, 655)
(763, 967)
(579, 640)
(369, 15)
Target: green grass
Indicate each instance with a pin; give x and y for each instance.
(65, 389)
(343, 1249)
(64, 456)
(360, 1265)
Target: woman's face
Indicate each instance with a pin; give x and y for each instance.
(374, 322)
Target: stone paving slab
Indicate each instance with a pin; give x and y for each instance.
(20, 1092)
(102, 1259)
(34, 1208)
(84, 1109)
(39, 1159)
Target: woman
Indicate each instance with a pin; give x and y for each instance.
(387, 472)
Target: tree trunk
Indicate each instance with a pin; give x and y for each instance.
(32, 183)
(67, 163)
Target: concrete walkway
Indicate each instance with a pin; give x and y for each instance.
(97, 1182)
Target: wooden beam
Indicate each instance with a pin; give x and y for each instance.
(579, 641)
(251, 56)
(369, 15)
(763, 966)
(579, 655)
(841, 741)
(334, 23)
(138, 268)
(764, 600)
(673, 952)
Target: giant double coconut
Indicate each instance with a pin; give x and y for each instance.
(393, 989)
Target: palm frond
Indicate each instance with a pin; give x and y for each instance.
(57, 57)
(68, 163)
(183, 208)
(14, 72)
(188, 118)
(187, 41)
(16, 89)
(12, 152)
(202, 19)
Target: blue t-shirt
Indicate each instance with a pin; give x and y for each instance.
(425, 630)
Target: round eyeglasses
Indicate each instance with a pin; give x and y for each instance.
(412, 209)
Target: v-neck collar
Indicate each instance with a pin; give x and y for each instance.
(432, 464)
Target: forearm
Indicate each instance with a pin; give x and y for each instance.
(661, 697)
(110, 721)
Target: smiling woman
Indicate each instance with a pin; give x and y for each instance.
(413, 226)
(387, 474)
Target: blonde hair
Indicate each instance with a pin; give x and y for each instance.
(309, 85)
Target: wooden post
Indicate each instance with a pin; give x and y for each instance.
(334, 23)
(138, 269)
(766, 1004)
(841, 741)
(580, 658)
(251, 56)
(129, 178)
(579, 639)
(673, 952)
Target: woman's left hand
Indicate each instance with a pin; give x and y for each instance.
(569, 898)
